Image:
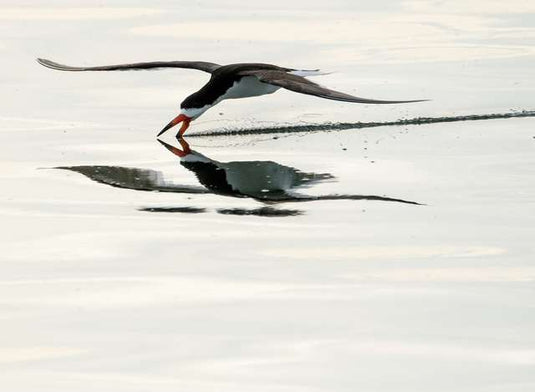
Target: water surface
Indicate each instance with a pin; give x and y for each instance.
(290, 254)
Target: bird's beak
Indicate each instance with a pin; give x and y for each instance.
(178, 152)
(180, 118)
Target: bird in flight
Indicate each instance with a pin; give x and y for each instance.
(229, 82)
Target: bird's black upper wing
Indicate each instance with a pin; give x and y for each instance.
(200, 65)
(304, 86)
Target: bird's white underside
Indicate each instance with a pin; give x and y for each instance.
(248, 86)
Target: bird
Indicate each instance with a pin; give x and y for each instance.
(231, 81)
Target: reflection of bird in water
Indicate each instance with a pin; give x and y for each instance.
(230, 82)
(264, 180)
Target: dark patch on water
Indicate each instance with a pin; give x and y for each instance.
(184, 210)
(262, 211)
(358, 125)
(132, 178)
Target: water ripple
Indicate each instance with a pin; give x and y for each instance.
(341, 126)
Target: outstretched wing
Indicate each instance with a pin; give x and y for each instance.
(200, 65)
(305, 86)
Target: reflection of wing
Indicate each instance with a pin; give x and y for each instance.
(305, 86)
(132, 178)
(200, 65)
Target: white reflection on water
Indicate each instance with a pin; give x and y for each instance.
(482, 274)
(415, 34)
(23, 354)
(390, 252)
(135, 292)
(100, 13)
(478, 7)
(309, 350)
(432, 53)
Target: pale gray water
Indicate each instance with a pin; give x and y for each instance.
(105, 285)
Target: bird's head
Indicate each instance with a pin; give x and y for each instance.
(187, 115)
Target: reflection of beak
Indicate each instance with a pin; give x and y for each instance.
(180, 118)
(181, 153)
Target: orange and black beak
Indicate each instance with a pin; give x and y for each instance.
(185, 120)
(178, 152)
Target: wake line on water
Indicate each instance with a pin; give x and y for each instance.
(358, 125)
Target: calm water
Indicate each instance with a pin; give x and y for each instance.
(332, 258)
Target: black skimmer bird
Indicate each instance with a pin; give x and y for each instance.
(229, 82)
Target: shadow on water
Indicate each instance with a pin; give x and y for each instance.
(266, 181)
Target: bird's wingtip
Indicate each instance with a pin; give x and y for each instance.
(53, 65)
(416, 100)
(45, 62)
